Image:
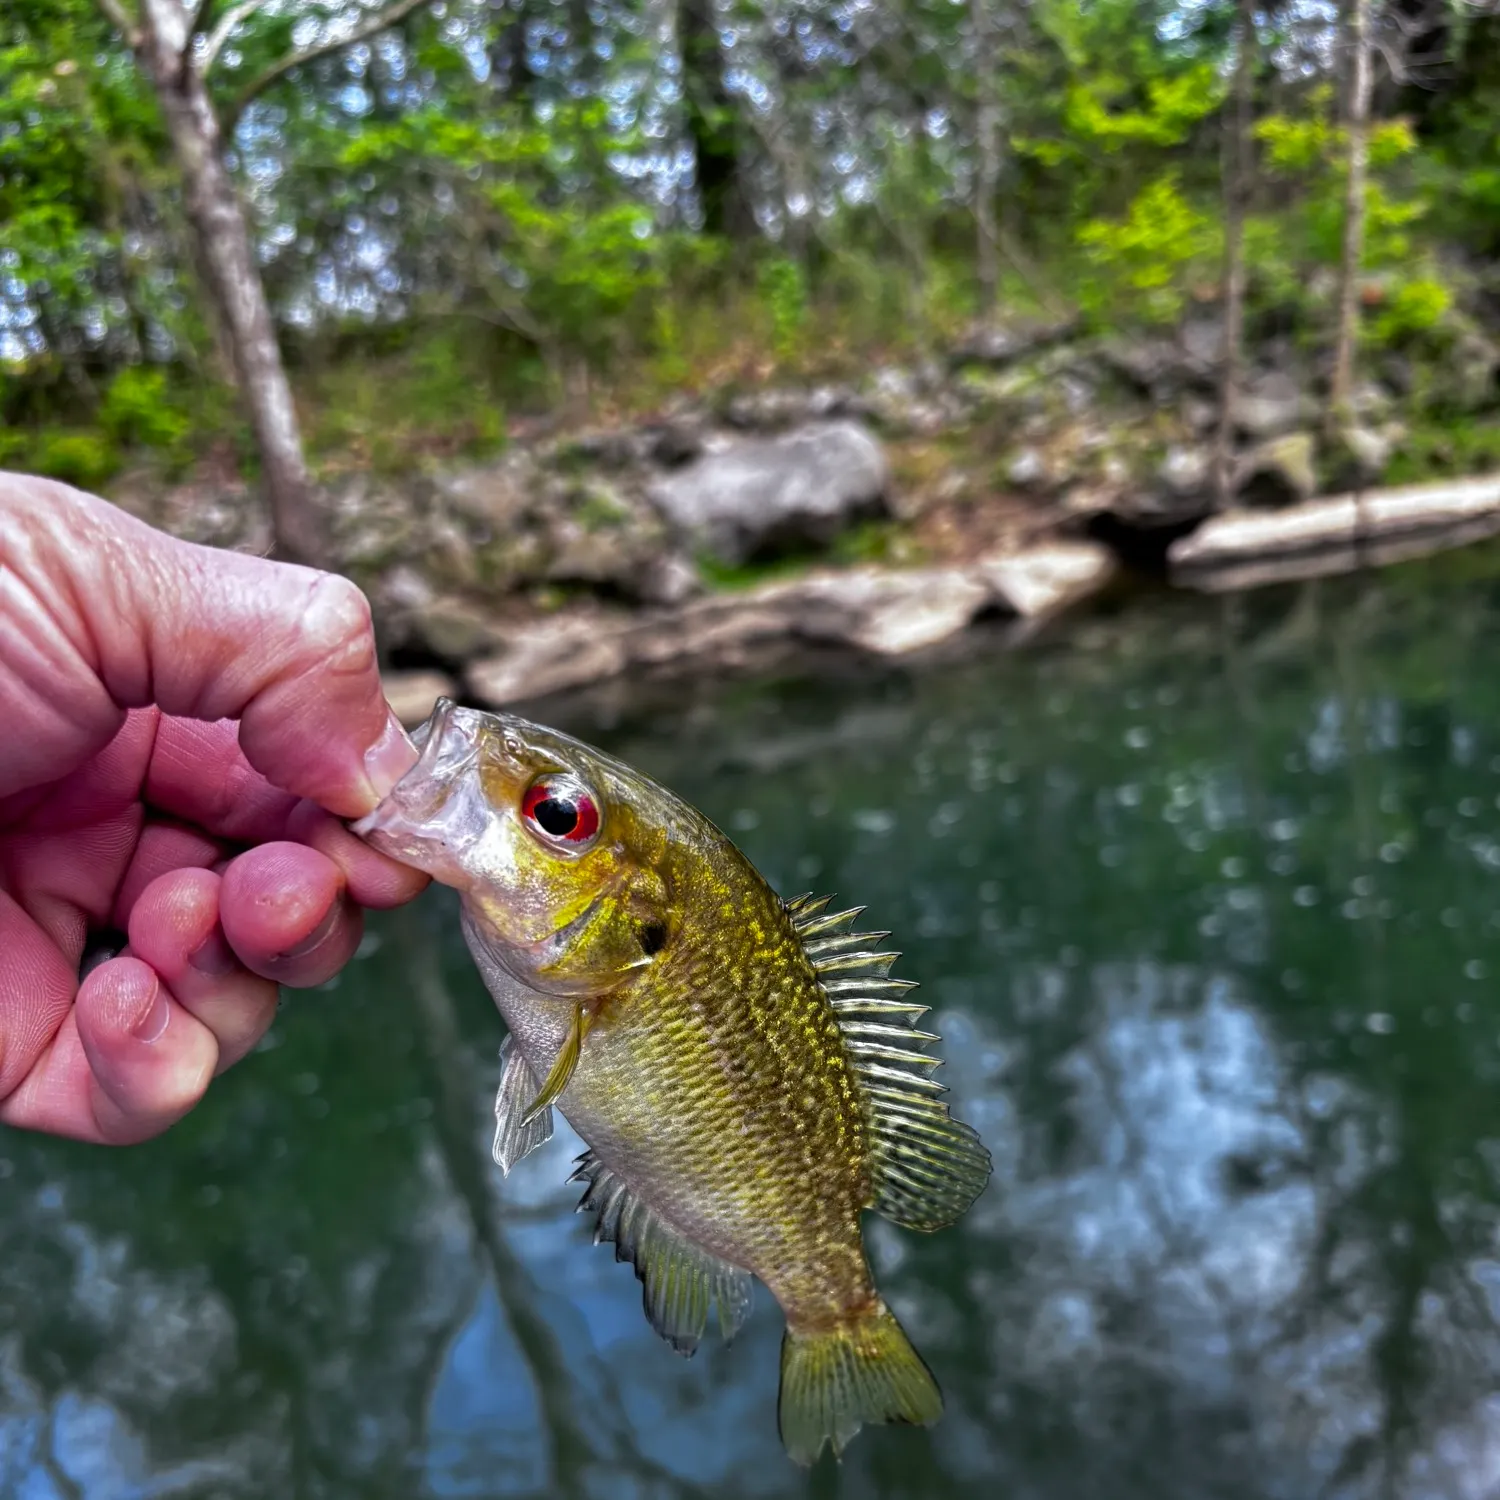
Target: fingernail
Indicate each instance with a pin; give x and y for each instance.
(389, 758)
(151, 1026)
(315, 938)
(213, 956)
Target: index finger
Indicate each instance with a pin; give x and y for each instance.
(287, 651)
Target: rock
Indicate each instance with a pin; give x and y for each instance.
(766, 493)
(403, 587)
(1369, 450)
(412, 694)
(1336, 534)
(1268, 405)
(1028, 470)
(777, 409)
(1278, 471)
(497, 494)
(669, 578)
(890, 614)
(1147, 364)
(1202, 340)
(1001, 345)
(452, 629)
(1185, 472)
(1471, 374)
(1042, 580)
(675, 443)
(1199, 414)
(548, 656)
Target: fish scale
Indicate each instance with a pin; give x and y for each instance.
(744, 1070)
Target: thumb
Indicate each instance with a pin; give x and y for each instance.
(112, 615)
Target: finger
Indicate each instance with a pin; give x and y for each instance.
(174, 927)
(149, 1060)
(36, 994)
(198, 772)
(162, 848)
(286, 914)
(111, 614)
(126, 1062)
(370, 878)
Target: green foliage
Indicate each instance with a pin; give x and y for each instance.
(1149, 251)
(139, 411)
(1413, 307)
(783, 288)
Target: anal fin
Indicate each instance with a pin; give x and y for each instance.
(515, 1134)
(681, 1283)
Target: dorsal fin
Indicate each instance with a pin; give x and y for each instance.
(681, 1283)
(927, 1167)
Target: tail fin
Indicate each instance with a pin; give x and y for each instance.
(832, 1383)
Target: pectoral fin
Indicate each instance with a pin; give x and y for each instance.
(562, 1068)
(516, 1134)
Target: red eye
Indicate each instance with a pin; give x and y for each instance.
(560, 810)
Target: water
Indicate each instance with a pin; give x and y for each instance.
(1205, 899)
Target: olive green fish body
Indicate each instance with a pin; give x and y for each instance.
(744, 1070)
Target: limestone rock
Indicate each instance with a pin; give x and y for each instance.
(1269, 404)
(1042, 580)
(548, 656)
(764, 493)
(1278, 471)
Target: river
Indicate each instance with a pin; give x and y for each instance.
(1204, 896)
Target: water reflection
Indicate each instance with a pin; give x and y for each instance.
(1205, 903)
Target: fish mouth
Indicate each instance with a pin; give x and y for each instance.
(446, 745)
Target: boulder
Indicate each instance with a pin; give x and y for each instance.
(1185, 472)
(1028, 470)
(765, 493)
(1268, 405)
(999, 345)
(452, 629)
(1042, 580)
(549, 656)
(1368, 450)
(1279, 471)
(887, 613)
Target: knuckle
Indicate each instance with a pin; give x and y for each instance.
(336, 619)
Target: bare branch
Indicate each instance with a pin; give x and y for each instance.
(220, 34)
(198, 20)
(381, 21)
(118, 17)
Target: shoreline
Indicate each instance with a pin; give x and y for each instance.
(891, 613)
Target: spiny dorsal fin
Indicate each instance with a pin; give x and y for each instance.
(515, 1136)
(681, 1283)
(927, 1167)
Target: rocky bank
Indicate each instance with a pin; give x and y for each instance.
(1013, 478)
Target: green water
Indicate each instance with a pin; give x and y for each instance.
(1205, 899)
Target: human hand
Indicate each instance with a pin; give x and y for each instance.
(179, 727)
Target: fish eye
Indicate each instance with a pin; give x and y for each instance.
(561, 811)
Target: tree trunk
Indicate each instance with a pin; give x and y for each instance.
(1358, 126)
(711, 124)
(987, 159)
(1237, 167)
(234, 281)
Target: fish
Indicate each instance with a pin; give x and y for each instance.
(744, 1070)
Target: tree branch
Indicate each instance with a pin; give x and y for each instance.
(118, 17)
(220, 34)
(381, 21)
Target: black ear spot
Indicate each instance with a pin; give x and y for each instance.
(653, 936)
